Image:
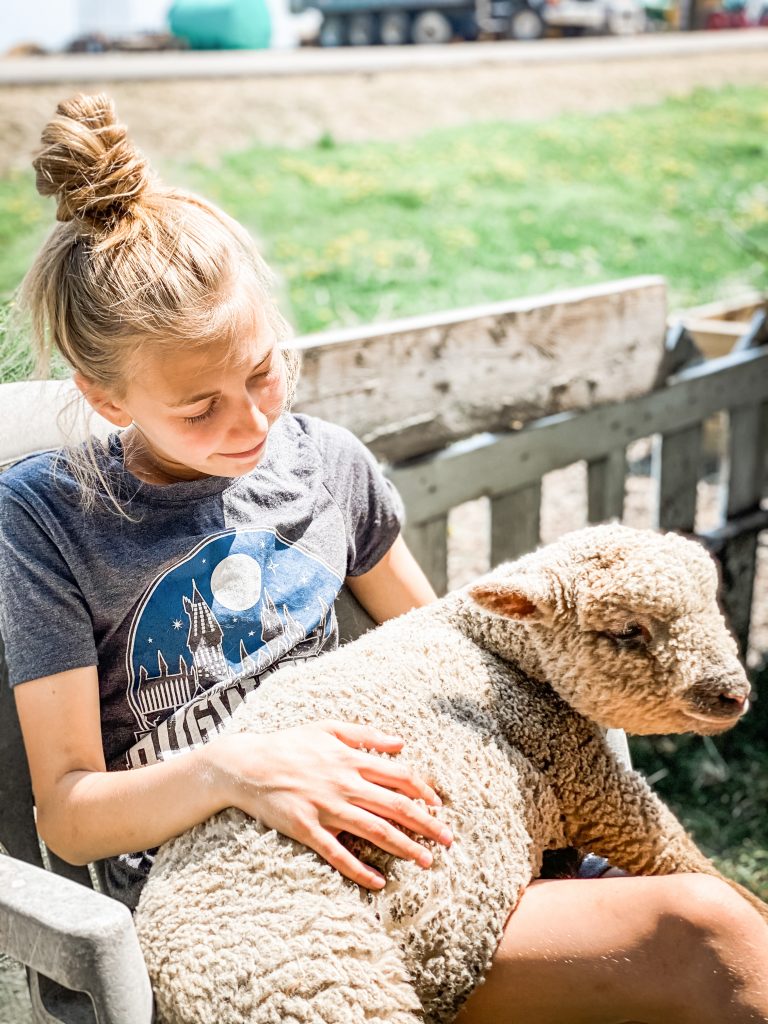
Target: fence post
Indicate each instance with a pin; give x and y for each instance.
(746, 467)
(605, 487)
(515, 523)
(676, 461)
(428, 542)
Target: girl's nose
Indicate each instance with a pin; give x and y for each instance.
(249, 422)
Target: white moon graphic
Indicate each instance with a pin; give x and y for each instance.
(236, 582)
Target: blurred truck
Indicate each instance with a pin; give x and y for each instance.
(396, 22)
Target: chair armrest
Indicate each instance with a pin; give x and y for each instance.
(79, 938)
(618, 743)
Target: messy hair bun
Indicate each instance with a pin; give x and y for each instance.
(88, 164)
(134, 266)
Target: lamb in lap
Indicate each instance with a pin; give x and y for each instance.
(501, 692)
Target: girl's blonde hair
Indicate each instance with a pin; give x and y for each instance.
(130, 264)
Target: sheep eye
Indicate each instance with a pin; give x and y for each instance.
(633, 633)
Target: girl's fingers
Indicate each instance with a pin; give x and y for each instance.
(399, 808)
(396, 775)
(392, 774)
(355, 735)
(381, 833)
(328, 846)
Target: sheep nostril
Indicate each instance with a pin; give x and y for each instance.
(732, 700)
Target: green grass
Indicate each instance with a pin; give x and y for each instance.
(719, 789)
(365, 232)
(492, 211)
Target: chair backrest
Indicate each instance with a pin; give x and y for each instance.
(18, 834)
(17, 824)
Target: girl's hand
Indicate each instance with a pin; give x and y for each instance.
(315, 781)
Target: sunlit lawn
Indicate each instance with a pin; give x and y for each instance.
(489, 211)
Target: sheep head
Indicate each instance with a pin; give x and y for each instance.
(625, 625)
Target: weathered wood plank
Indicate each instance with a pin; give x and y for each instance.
(676, 465)
(428, 542)
(515, 523)
(605, 486)
(414, 385)
(738, 560)
(494, 464)
(739, 307)
(746, 458)
(714, 337)
(745, 469)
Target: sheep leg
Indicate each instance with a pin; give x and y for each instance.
(627, 823)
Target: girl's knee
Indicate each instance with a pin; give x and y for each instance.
(725, 937)
(707, 906)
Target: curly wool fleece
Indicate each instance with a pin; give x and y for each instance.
(499, 691)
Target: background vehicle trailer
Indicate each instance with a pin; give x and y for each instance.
(397, 22)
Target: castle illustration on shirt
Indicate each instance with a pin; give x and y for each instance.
(212, 625)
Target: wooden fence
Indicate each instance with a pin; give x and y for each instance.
(411, 387)
(508, 467)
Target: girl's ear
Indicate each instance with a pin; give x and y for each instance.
(524, 596)
(102, 402)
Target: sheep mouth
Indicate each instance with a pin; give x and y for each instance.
(725, 714)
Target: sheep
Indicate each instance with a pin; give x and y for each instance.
(501, 691)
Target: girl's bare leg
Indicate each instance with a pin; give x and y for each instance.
(679, 949)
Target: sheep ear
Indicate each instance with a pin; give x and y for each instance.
(523, 596)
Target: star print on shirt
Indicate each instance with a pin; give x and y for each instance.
(249, 598)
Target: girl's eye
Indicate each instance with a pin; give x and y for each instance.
(203, 415)
(262, 377)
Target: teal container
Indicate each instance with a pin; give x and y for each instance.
(222, 24)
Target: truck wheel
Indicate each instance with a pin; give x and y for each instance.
(525, 24)
(431, 27)
(395, 28)
(626, 22)
(333, 31)
(361, 30)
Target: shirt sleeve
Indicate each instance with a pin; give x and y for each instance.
(45, 621)
(370, 504)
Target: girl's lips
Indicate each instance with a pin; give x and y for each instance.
(244, 455)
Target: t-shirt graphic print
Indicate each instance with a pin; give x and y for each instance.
(185, 606)
(212, 626)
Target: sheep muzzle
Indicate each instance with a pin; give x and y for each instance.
(718, 700)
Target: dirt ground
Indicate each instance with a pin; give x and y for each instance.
(200, 117)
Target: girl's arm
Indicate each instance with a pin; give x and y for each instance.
(394, 585)
(310, 782)
(83, 812)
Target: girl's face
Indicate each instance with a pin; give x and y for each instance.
(199, 415)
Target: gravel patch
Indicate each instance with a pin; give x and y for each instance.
(199, 118)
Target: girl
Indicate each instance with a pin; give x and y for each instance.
(149, 583)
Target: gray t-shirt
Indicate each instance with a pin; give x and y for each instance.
(186, 608)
